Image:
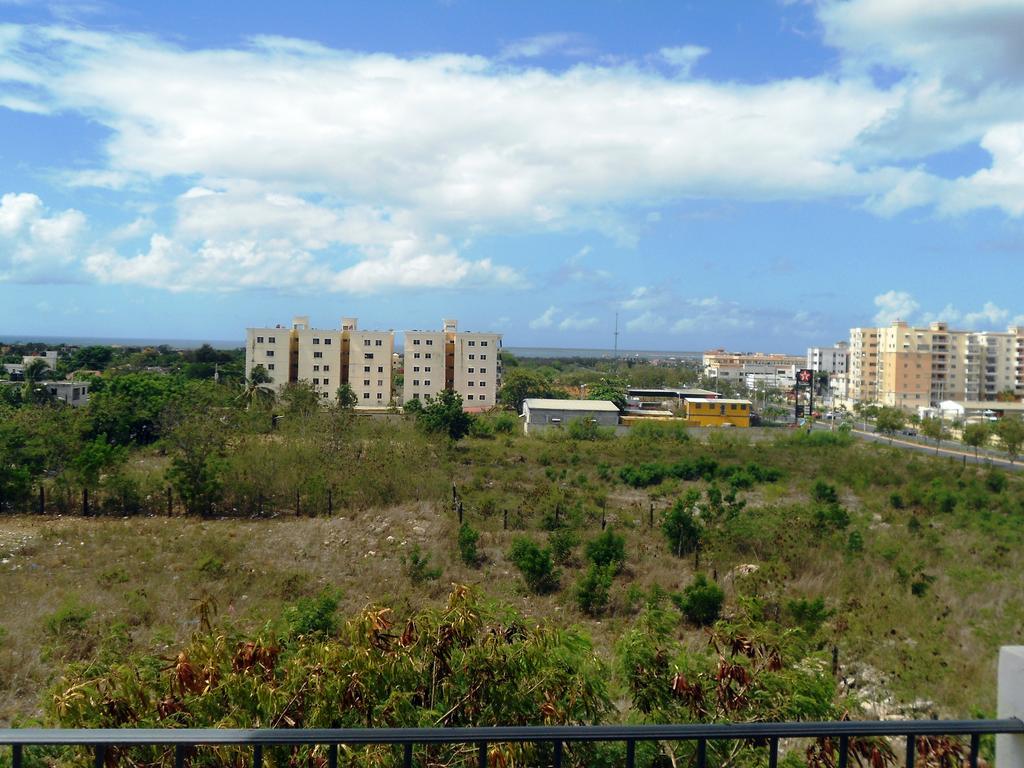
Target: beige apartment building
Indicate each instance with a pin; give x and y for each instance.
(909, 367)
(325, 358)
(467, 362)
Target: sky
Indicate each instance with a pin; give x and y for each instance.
(757, 175)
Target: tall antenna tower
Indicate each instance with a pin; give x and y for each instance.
(616, 355)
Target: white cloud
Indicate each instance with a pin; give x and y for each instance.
(712, 313)
(683, 58)
(545, 320)
(894, 305)
(648, 322)
(576, 323)
(34, 246)
(543, 45)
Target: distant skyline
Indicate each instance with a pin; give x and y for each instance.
(756, 176)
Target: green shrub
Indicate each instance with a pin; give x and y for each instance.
(468, 538)
(313, 616)
(608, 550)
(831, 516)
(995, 481)
(824, 493)
(593, 589)
(535, 564)
(70, 619)
(417, 566)
(504, 424)
(855, 542)
(563, 545)
(587, 429)
(645, 432)
(896, 501)
(116, 575)
(210, 565)
(806, 614)
(701, 602)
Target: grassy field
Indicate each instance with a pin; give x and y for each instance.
(917, 559)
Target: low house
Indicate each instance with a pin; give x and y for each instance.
(717, 413)
(541, 413)
(73, 393)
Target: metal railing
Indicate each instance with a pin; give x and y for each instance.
(763, 735)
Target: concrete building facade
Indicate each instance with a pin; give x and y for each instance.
(911, 367)
(468, 362)
(748, 368)
(831, 360)
(542, 413)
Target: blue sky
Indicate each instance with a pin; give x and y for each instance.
(756, 175)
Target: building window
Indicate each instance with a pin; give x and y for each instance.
(427, 368)
(327, 341)
(426, 382)
(483, 397)
(366, 369)
(472, 357)
(270, 366)
(415, 369)
(368, 355)
(469, 397)
(324, 395)
(318, 354)
(366, 395)
(470, 383)
(416, 355)
(483, 343)
(483, 357)
(327, 367)
(428, 355)
(327, 382)
(380, 382)
(380, 396)
(483, 370)
(316, 367)
(379, 343)
(471, 370)
(259, 339)
(270, 353)
(472, 343)
(415, 382)
(416, 342)
(366, 382)
(430, 342)
(316, 340)
(272, 339)
(316, 382)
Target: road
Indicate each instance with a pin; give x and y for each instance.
(966, 457)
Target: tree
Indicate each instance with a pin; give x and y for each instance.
(300, 398)
(347, 398)
(608, 549)
(258, 389)
(593, 589)
(889, 421)
(33, 391)
(1010, 431)
(198, 440)
(444, 415)
(90, 462)
(934, 428)
(681, 529)
(607, 388)
(522, 383)
(976, 435)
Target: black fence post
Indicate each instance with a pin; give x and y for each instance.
(504, 521)
(330, 503)
(297, 500)
(42, 500)
(170, 501)
(85, 502)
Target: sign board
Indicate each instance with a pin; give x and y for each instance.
(805, 376)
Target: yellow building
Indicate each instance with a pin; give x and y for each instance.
(717, 413)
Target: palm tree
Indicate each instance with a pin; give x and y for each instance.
(34, 373)
(257, 389)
